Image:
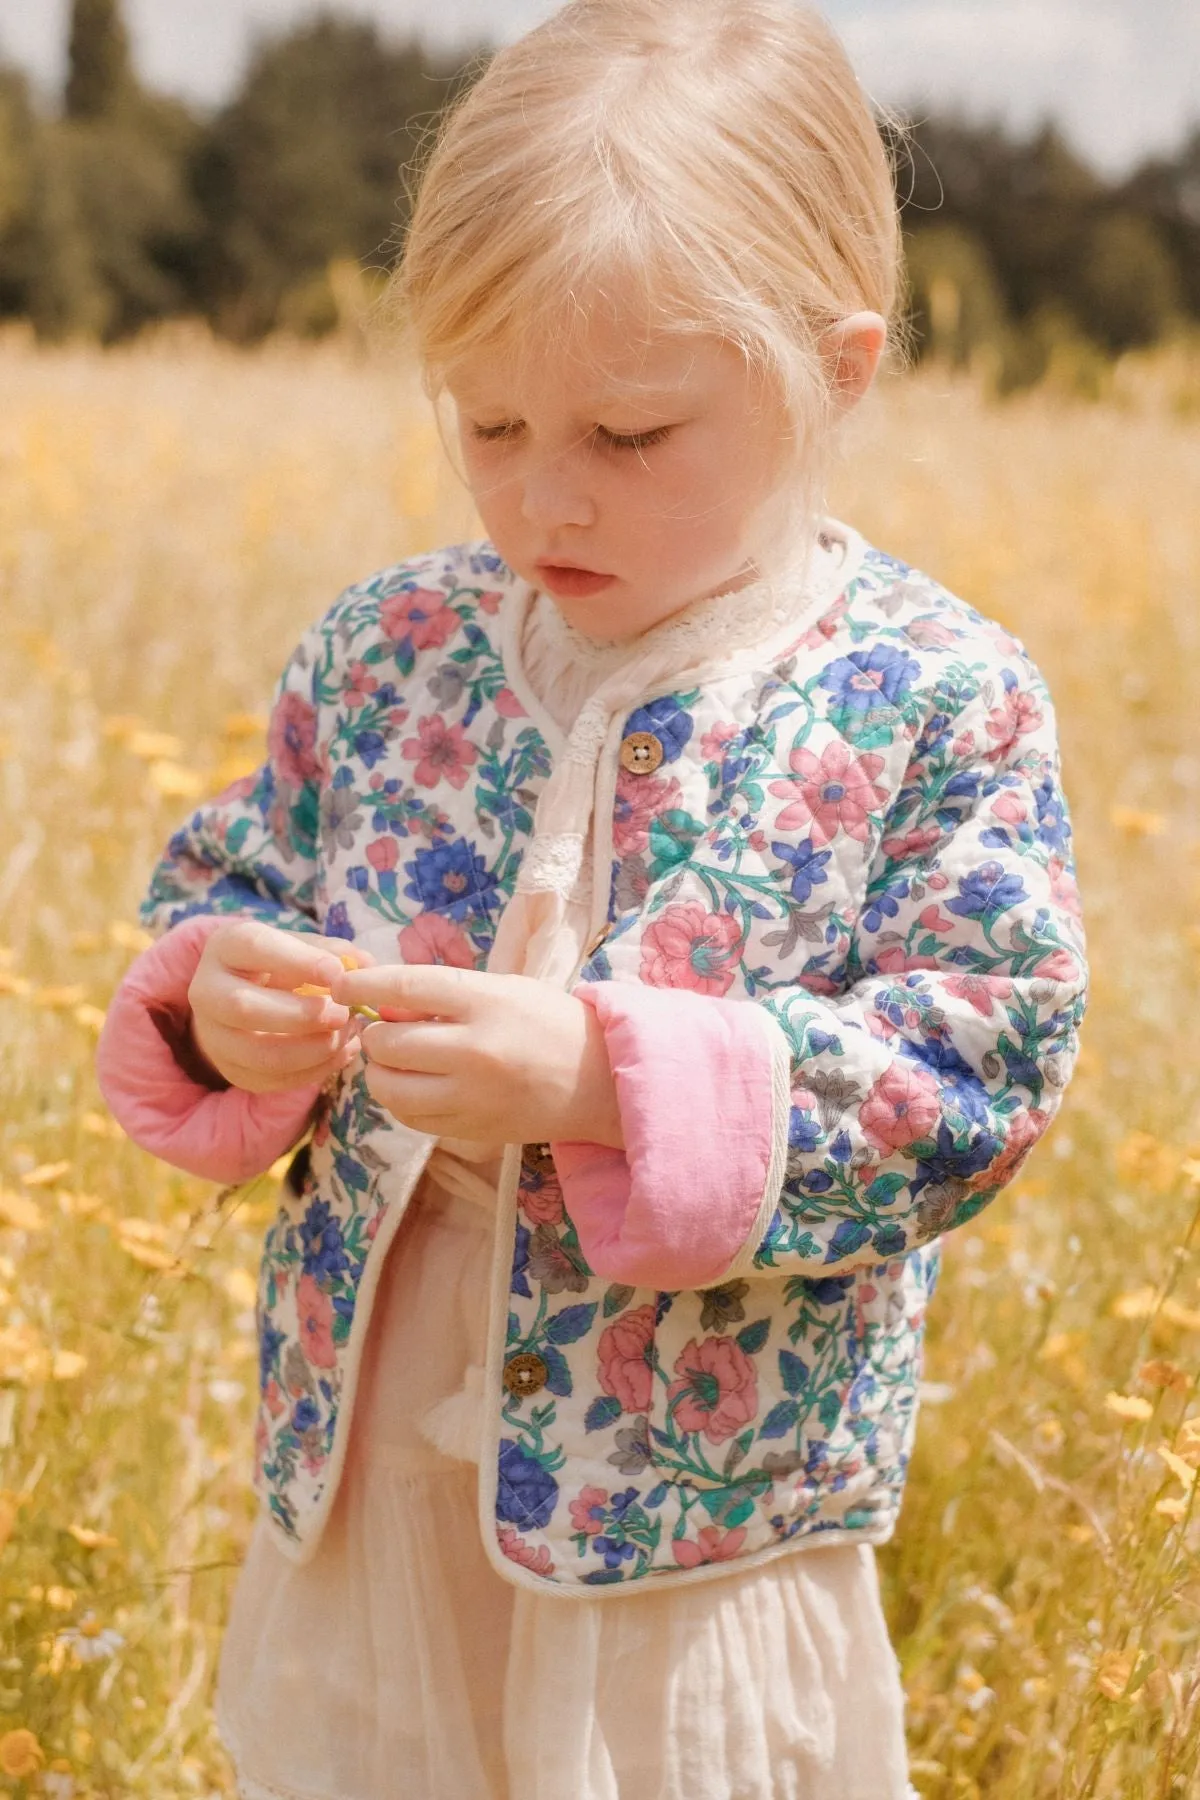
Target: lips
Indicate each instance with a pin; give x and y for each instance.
(571, 581)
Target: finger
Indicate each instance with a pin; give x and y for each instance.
(240, 1005)
(421, 990)
(266, 1054)
(284, 959)
(422, 1049)
(423, 1101)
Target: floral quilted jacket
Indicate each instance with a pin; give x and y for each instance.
(862, 832)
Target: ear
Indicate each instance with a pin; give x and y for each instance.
(852, 349)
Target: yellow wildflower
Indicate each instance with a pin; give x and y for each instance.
(1137, 823)
(99, 1125)
(92, 1540)
(68, 1365)
(16, 985)
(20, 1212)
(1128, 1406)
(1182, 1470)
(1138, 1304)
(174, 782)
(1114, 1672)
(121, 725)
(20, 1754)
(59, 998)
(128, 937)
(45, 1175)
(245, 725)
(1187, 1442)
(1160, 1373)
(62, 1599)
(1186, 1317)
(153, 746)
(1171, 1507)
(90, 1017)
(241, 1287)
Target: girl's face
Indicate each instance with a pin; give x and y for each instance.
(627, 474)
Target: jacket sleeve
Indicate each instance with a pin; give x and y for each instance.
(251, 850)
(919, 1047)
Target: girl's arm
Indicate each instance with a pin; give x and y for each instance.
(251, 851)
(814, 1132)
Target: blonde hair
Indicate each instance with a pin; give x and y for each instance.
(717, 154)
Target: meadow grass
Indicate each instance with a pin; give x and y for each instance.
(171, 516)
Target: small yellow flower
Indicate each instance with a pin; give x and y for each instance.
(99, 1125)
(1186, 1317)
(68, 1365)
(1136, 823)
(1160, 1373)
(1128, 1406)
(128, 937)
(1172, 1508)
(1138, 1304)
(1187, 1442)
(58, 999)
(45, 1175)
(92, 1540)
(241, 1287)
(1049, 1435)
(90, 1017)
(20, 1754)
(1114, 1672)
(62, 1599)
(245, 725)
(1183, 1471)
(155, 746)
(87, 942)
(174, 782)
(20, 1212)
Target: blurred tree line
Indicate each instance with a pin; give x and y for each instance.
(130, 208)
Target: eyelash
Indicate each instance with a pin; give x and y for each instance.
(642, 440)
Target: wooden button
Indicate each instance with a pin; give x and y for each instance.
(525, 1374)
(641, 753)
(539, 1159)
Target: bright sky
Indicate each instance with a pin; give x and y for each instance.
(1121, 76)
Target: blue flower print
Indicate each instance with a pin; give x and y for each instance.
(955, 1075)
(520, 1267)
(321, 1239)
(527, 1493)
(270, 1343)
(337, 921)
(1052, 827)
(305, 1415)
(860, 681)
(807, 864)
(666, 720)
(451, 878)
(987, 892)
(614, 1554)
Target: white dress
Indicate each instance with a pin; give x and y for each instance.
(398, 1665)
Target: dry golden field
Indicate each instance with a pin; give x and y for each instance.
(170, 517)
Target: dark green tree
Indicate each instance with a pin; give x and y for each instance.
(99, 72)
(304, 167)
(18, 133)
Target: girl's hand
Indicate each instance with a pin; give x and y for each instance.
(496, 1058)
(249, 1022)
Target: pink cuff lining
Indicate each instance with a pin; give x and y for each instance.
(703, 1094)
(229, 1136)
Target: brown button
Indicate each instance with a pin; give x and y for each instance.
(525, 1374)
(538, 1158)
(641, 753)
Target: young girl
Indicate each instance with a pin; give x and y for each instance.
(711, 876)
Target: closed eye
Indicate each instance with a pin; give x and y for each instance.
(615, 440)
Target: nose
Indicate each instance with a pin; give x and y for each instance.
(554, 494)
